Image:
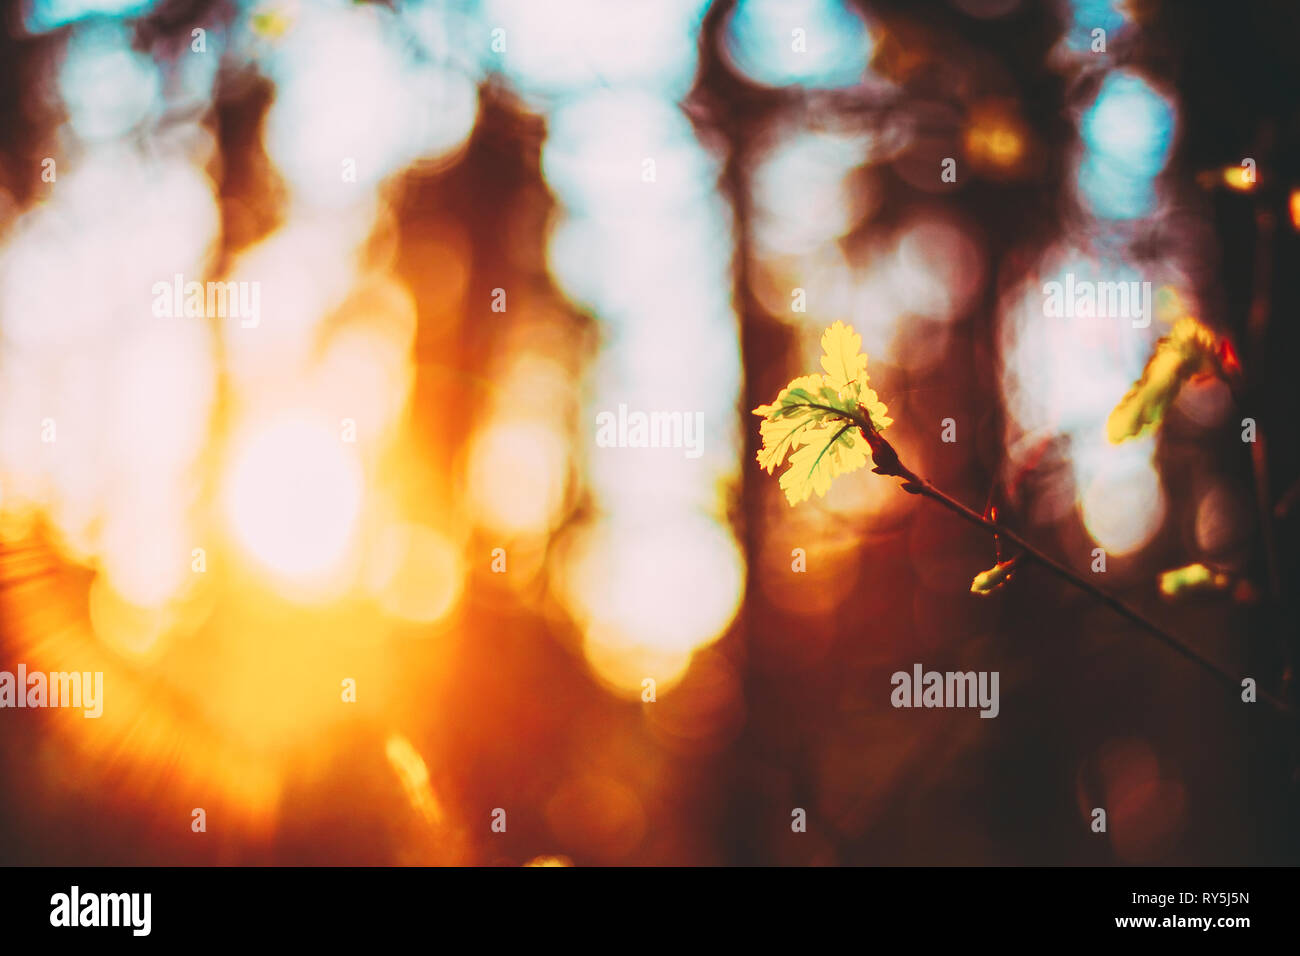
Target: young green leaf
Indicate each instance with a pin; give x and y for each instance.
(1189, 349)
(986, 582)
(1192, 579)
(814, 419)
(833, 449)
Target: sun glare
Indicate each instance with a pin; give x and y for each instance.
(292, 497)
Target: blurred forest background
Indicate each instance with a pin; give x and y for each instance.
(556, 208)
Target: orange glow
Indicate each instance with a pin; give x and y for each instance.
(1295, 208)
(417, 574)
(1239, 178)
(996, 139)
(999, 144)
(125, 627)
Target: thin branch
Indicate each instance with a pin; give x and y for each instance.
(888, 463)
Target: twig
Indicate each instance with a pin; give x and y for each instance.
(888, 463)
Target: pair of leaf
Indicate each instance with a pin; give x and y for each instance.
(813, 419)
